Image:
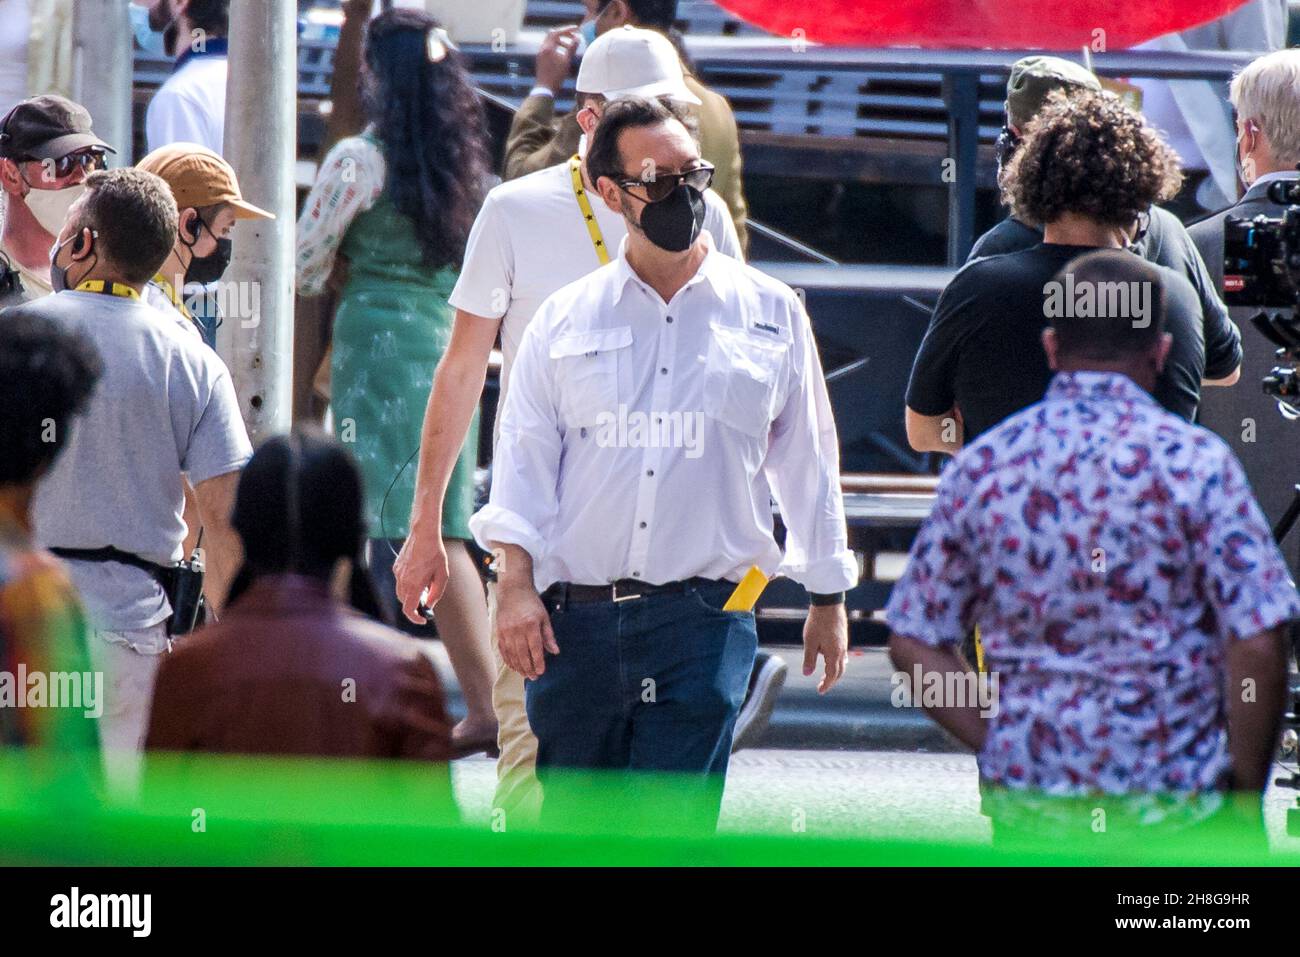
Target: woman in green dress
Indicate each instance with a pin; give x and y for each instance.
(397, 203)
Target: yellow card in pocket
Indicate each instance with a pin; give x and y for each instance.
(747, 592)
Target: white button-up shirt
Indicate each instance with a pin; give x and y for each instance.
(644, 439)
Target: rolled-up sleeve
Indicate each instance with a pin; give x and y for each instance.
(803, 469)
(350, 180)
(522, 507)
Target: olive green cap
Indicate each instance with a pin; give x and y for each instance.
(1033, 78)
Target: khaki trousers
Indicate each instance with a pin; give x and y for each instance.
(519, 794)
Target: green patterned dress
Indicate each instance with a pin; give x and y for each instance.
(391, 329)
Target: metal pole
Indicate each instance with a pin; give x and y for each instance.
(962, 96)
(256, 334)
(102, 58)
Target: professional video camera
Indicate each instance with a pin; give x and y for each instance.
(1261, 267)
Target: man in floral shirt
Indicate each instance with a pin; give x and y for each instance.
(1127, 591)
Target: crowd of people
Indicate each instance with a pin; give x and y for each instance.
(1089, 544)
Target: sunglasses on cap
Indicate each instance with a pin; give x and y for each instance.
(86, 160)
(662, 185)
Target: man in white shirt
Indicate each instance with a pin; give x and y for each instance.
(190, 106)
(531, 237)
(682, 391)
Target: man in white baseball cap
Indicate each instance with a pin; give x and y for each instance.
(533, 236)
(632, 62)
(539, 137)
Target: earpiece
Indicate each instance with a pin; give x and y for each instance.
(194, 228)
(79, 243)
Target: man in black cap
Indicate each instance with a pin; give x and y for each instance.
(47, 149)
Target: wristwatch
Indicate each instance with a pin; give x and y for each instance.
(831, 598)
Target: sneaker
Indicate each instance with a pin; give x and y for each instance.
(765, 683)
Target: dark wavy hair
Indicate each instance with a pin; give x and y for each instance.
(432, 130)
(1090, 154)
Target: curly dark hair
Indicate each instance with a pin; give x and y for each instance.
(432, 130)
(1088, 153)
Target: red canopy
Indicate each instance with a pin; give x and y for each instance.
(1008, 24)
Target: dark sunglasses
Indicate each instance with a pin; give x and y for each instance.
(87, 160)
(662, 186)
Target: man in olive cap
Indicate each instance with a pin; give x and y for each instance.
(1160, 237)
(47, 149)
(1032, 80)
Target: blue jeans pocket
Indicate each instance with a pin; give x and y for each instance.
(713, 597)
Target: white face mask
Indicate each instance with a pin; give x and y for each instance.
(1246, 166)
(50, 206)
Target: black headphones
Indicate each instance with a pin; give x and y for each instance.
(79, 243)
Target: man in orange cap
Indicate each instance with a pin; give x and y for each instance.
(209, 202)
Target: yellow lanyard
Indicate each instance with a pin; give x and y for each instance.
(593, 227)
(117, 289)
(170, 291)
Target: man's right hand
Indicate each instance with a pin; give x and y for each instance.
(524, 629)
(555, 57)
(421, 564)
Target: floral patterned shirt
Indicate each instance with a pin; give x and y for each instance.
(1107, 550)
(349, 182)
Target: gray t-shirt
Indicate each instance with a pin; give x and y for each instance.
(165, 405)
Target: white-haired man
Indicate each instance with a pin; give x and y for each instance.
(1266, 97)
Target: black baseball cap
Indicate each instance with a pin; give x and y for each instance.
(47, 127)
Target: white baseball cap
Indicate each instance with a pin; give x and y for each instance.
(633, 62)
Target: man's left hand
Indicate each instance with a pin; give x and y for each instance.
(826, 633)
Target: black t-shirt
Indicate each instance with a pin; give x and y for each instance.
(983, 349)
(1166, 243)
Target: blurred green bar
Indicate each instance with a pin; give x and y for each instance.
(223, 811)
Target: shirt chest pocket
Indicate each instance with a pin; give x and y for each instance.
(742, 379)
(592, 370)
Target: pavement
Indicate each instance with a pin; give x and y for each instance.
(847, 762)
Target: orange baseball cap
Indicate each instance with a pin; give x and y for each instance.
(199, 177)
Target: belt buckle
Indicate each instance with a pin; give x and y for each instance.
(618, 598)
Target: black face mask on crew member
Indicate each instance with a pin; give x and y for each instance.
(209, 268)
(674, 223)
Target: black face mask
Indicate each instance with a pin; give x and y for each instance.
(209, 268)
(674, 223)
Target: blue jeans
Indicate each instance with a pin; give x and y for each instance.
(649, 684)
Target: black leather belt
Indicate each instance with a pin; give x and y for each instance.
(625, 589)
